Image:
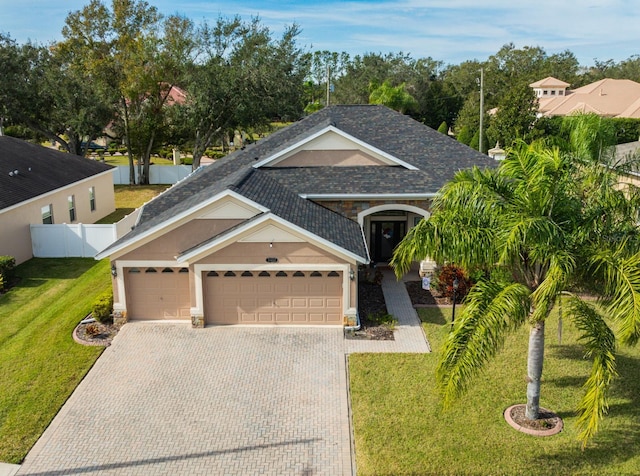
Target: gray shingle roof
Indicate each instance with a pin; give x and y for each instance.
(436, 156)
(40, 170)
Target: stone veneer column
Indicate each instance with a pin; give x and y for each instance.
(197, 322)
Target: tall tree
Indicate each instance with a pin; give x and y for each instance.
(551, 220)
(42, 91)
(136, 57)
(515, 116)
(396, 98)
(244, 80)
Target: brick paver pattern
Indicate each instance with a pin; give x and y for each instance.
(169, 399)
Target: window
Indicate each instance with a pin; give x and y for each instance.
(247, 274)
(71, 199)
(333, 274)
(264, 274)
(92, 198)
(553, 92)
(316, 274)
(212, 274)
(298, 274)
(47, 214)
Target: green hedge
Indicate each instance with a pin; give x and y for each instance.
(102, 306)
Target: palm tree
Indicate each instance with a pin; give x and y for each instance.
(543, 223)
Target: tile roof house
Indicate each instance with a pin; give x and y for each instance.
(41, 185)
(274, 233)
(607, 98)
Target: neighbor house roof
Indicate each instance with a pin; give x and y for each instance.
(607, 97)
(28, 170)
(550, 82)
(433, 156)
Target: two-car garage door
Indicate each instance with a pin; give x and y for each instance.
(273, 297)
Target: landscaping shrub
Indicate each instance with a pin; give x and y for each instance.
(102, 307)
(7, 264)
(93, 330)
(443, 281)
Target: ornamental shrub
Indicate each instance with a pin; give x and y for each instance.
(7, 264)
(443, 281)
(103, 306)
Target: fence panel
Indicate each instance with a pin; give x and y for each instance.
(73, 240)
(159, 174)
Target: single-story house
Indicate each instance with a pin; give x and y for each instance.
(41, 185)
(274, 233)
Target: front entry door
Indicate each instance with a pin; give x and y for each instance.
(385, 236)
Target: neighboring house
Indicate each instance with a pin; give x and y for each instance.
(274, 233)
(41, 185)
(606, 98)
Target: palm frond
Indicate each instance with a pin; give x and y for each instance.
(555, 281)
(600, 344)
(492, 309)
(621, 281)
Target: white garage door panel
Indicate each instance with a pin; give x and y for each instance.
(300, 299)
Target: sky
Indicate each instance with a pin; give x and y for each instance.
(451, 31)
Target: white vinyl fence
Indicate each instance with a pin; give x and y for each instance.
(77, 239)
(158, 174)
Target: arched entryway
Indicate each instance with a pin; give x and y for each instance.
(385, 226)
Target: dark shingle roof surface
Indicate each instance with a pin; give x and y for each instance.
(436, 156)
(40, 170)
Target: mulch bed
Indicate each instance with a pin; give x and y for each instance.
(370, 302)
(95, 333)
(422, 297)
(547, 424)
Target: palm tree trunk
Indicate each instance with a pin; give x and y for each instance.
(535, 360)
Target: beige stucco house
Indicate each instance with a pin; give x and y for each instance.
(275, 233)
(40, 185)
(606, 98)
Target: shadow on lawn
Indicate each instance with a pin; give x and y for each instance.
(611, 444)
(432, 315)
(37, 271)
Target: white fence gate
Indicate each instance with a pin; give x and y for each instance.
(158, 174)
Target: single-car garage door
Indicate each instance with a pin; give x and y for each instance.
(158, 293)
(273, 297)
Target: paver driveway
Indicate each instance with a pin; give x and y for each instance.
(168, 399)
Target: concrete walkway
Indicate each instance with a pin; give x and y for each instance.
(409, 335)
(7, 469)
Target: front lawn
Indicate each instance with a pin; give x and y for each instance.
(40, 363)
(400, 428)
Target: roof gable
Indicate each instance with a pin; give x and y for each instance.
(28, 170)
(331, 137)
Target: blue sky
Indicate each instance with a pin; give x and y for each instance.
(451, 31)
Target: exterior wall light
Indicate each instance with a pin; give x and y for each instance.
(352, 275)
(114, 271)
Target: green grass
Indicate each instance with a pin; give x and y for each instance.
(40, 363)
(400, 427)
(130, 197)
